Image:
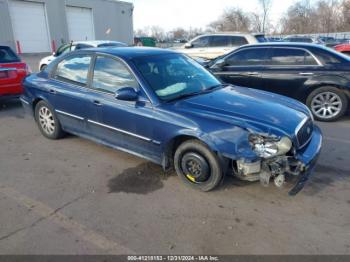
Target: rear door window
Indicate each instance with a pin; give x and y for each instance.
(8, 56)
(248, 57)
(74, 69)
(220, 41)
(290, 57)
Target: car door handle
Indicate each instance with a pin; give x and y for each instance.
(306, 74)
(253, 73)
(53, 91)
(97, 103)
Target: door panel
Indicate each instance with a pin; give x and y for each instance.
(287, 71)
(128, 125)
(286, 81)
(241, 76)
(243, 67)
(69, 89)
(123, 124)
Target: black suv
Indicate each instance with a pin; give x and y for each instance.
(315, 75)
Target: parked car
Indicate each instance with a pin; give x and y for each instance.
(12, 72)
(66, 48)
(302, 39)
(343, 48)
(211, 46)
(313, 74)
(165, 107)
(145, 41)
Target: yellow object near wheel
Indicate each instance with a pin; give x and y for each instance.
(192, 178)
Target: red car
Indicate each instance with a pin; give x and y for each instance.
(343, 48)
(12, 72)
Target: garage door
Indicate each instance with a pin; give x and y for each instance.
(80, 23)
(29, 25)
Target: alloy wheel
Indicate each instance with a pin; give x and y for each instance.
(326, 105)
(46, 120)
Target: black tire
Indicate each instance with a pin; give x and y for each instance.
(332, 90)
(43, 67)
(194, 149)
(57, 131)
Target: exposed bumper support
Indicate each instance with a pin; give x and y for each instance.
(309, 157)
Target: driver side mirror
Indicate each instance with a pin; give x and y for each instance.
(220, 63)
(188, 45)
(126, 94)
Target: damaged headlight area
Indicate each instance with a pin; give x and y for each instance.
(268, 147)
(276, 158)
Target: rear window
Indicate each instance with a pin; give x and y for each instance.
(261, 38)
(238, 40)
(112, 45)
(8, 56)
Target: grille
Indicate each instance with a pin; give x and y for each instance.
(304, 133)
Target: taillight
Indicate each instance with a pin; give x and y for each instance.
(8, 74)
(3, 74)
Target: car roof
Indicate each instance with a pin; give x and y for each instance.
(285, 44)
(131, 52)
(229, 33)
(97, 42)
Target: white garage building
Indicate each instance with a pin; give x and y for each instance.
(39, 26)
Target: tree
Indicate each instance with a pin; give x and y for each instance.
(345, 14)
(157, 32)
(299, 19)
(266, 7)
(233, 19)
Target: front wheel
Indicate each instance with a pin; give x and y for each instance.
(327, 103)
(47, 121)
(198, 166)
(43, 67)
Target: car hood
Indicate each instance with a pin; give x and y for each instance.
(251, 109)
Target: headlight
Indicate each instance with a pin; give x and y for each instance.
(267, 147)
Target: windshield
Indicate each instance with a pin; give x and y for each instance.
(174, 76)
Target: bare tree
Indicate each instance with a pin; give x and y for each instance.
(300, 19)
(157, 32)
(233, 19)
(179, 33)
(266, 7)
(345, 15)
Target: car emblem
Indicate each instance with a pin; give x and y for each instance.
(308, 130)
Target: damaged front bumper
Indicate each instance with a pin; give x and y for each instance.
(299, 165)
(309, 156)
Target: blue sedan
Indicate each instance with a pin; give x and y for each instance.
(165, 107)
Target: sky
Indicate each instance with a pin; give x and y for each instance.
(170, 14)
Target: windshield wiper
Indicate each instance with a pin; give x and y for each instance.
(205, 91)
(184, 96)
(215, 87)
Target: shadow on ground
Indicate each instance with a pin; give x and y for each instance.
(325, 177)
(12, 108)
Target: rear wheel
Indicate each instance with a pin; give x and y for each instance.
(47, 121)
(327, 103)
(198, 166)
